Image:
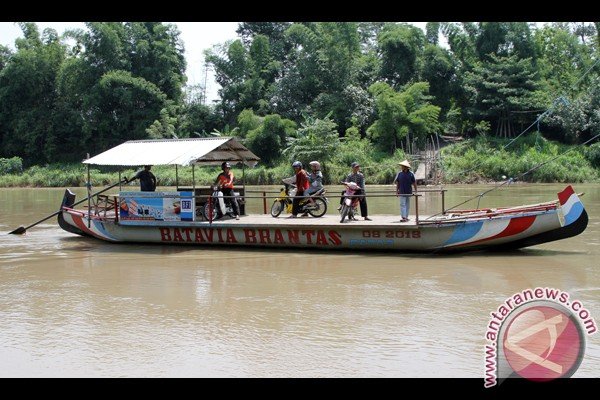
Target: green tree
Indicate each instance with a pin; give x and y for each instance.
(262, 73)
(245, 75)
(477, 47)
(268, 140)
(73, 87)
(399, 48)
(121, 80)
(461, 40)
(316, 139)
(402, 113)
(59, 101)
(274, 31)
(563, 60)
(105, 47)
(585, 32)
(579, 119)
(248, 121)
(196, 119)
(121, 107)
(157, 55)
(501, 87)
(368, 33)
(432, 32)
(491, 39)
(5, 54)
(163, 128)
(28, 94)
(322, 65)
(439, 70)
(520, 42)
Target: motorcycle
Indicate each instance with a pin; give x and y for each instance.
(285, 200)
(218, 206)
(349, 202)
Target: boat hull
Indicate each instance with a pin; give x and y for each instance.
(507, 230)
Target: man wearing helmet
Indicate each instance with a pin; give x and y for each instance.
(225, 182)
(301, 186)
(315, 180)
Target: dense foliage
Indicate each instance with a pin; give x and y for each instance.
(531, 158)
(60, 101)
(12, 165)
(332, 91)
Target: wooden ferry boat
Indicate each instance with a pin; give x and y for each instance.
(171, 217)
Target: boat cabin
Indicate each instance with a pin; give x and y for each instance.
(186, 203)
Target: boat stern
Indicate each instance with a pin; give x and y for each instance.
(67, 223)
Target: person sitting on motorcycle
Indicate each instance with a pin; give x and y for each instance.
(301, 186)
(315, 180)
(225, 182)
(357, 177)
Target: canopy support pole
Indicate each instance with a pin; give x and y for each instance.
(244, 175)
(89, 188)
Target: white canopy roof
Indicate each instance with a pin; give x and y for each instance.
(204, 151)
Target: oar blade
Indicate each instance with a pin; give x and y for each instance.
(19, 231)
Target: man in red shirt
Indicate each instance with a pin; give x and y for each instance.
(225, 182)
(301, 185)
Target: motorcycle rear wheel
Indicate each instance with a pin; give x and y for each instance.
(320, 208)
(211, 216)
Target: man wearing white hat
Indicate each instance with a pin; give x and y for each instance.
(405, 181)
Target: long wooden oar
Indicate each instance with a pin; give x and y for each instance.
(21, 230)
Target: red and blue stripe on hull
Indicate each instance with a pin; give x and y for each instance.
(520, 231)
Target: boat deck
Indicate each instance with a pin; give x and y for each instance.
(266, 220)
(326, 220)
(378, 220)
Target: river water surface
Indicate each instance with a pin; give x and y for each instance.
(78, 307)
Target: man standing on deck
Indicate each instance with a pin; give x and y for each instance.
(147, 179)
(405, 181)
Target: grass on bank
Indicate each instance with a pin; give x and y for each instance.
(529, 159)
(477, 160)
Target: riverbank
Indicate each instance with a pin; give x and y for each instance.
(482, 160)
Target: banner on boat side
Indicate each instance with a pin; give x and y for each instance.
(156, 206)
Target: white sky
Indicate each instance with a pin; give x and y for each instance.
(196, 36)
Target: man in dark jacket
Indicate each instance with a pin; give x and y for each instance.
(147, 179)
(357, 177)
(405, 181)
